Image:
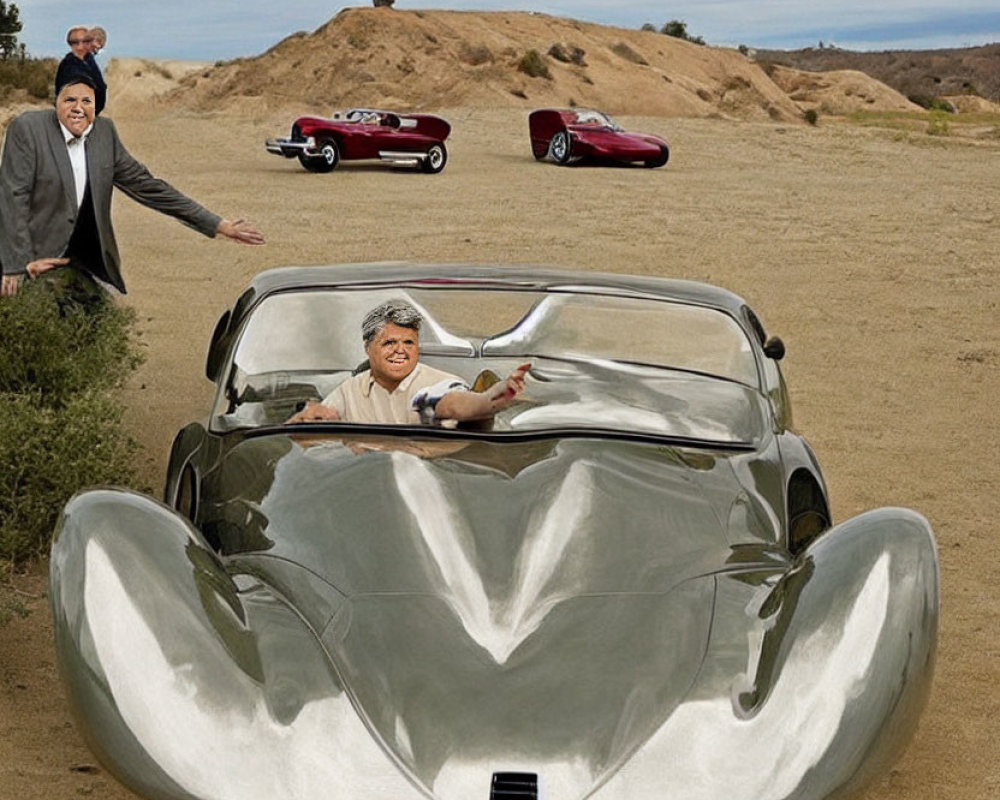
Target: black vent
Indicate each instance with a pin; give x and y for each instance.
(514, 786)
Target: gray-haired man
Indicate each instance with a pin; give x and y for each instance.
(398, 389)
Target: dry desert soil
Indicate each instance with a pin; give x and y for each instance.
(873, 253)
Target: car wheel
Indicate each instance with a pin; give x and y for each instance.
(186, 501)
(437, 157)
(561, 147)
(808, 515)
(326, 160)
(659, 162)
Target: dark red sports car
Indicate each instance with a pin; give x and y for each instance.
(405, 139)
(570, 135)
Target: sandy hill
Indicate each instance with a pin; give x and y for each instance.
(428, 59)
(920, 75)
(838, 91)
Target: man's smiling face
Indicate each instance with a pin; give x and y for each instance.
(75, 107)
(393, 354)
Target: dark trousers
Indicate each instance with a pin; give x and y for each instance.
(79, 281)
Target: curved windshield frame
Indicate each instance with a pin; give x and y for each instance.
(596, 118)
(600, 359)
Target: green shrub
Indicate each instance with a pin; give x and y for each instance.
(533, 65)
(59, 411)
(10, 604)
(50, 454)
(475, 55)
(622, 50)
(678, 30)
(62, 350)
(811, 116)
(568, 54)
(36, 76)
(938, 124)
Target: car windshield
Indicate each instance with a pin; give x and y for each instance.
(597, 118)
(362, 115)
(599, 359)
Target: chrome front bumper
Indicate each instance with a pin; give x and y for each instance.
(290, 149)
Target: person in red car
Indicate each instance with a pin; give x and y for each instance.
(397, 388)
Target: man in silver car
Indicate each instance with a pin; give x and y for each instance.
(397, 388)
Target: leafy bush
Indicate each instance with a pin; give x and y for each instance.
(10, 604)
(533, 65)
(678, 30)
(932, 103)
(35, 76)
(62, 350)
(49, 454)
(938, 124)
(475, 54)
(624, 51)
(811, 116)
(60, 417)
(568, 54)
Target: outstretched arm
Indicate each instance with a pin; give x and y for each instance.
(464, 406)
(141, 185)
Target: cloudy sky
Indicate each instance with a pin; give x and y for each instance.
(221, 29)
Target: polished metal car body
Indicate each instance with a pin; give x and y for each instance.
(574, 135)
(627, 586)
(320, 143)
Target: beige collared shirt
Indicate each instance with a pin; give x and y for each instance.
(361, 399)
(77, 149)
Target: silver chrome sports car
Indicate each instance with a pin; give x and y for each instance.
(627, 586)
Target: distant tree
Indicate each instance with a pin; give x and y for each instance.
(678, 29)
(648, 26)
(383, 3)
(10, 27)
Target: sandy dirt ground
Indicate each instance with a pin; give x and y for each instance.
(874, 255)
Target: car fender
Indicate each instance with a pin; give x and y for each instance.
(842, 666)
(188, 685)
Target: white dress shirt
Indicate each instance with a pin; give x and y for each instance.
(77, 149)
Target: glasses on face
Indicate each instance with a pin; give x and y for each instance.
(79, 41)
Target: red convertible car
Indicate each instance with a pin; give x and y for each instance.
(573, 135)
(403, 139)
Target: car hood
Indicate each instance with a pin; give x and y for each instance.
(389, 627)
(546, 603)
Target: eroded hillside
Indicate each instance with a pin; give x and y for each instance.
(428, 59)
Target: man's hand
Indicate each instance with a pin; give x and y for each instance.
(505, 392)
(34, 269)
(466, 406)
(316, 412)
(240, 231)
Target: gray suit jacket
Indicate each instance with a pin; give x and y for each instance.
(38, 198)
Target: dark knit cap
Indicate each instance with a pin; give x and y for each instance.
(69, 77)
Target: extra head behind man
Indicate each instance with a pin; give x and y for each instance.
(99, 37)
(80, 41)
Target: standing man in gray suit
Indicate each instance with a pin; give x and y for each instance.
(58, 169)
